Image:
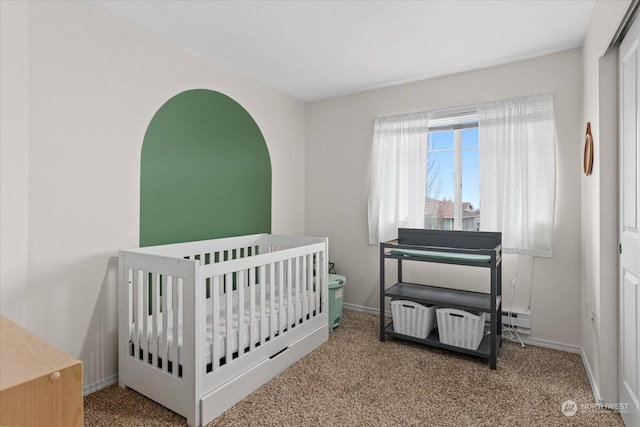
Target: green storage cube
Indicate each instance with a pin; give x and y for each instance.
(336, 293)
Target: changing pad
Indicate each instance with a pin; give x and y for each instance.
(453, 256)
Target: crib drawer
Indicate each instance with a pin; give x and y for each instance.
(39, 384)
(219, 400)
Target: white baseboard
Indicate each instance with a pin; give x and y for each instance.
(91, 388)
(364, 309)
(594, 387)
(550, 344)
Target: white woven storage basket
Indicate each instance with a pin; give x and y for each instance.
(413, 319)
(460, 328)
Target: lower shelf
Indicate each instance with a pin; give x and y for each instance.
(484, 350)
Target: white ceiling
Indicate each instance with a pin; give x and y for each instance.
(313, 50)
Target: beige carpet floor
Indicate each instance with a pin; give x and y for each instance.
(356, 380)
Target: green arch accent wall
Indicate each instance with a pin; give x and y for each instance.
(205, 171)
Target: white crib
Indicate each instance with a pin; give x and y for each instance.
(203, 324)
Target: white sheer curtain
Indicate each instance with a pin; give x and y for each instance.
(398, 177)
(516, 139)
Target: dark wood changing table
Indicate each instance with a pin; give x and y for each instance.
(472, 248)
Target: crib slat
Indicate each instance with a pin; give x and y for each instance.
(215, 319)
(304, 306)
(228, 289)
(298, 291)
(318, 281)
(130, 312)
(281, 307)
(164, 345)
(309, 274)
(290, 304)
(203, 261)
(311, 280)
(299, 278)
(252, 309)
(144, 341)
(157, 317)
(275, 300)
(294, 291)
(292, 283)
(303, 285)
(272, 308)
(155, 310)
(134, 320)
(241, 318)
(175, 336)
(137, 313)
(169, 293)
(153, 317)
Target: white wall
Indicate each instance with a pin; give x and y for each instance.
(14, 158)
(92, 84)
(339, 137)
(599, 207)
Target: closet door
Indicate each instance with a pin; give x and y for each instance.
(629, 274)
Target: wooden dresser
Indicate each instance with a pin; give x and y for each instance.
(39, 384)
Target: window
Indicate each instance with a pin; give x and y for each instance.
(426, 172)
(453, 185)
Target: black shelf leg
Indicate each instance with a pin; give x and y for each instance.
(496, 318)
(499, 292)
(382, 292)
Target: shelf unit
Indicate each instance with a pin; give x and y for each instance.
(471, 248)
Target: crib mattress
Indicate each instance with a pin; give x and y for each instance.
(261, 328)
